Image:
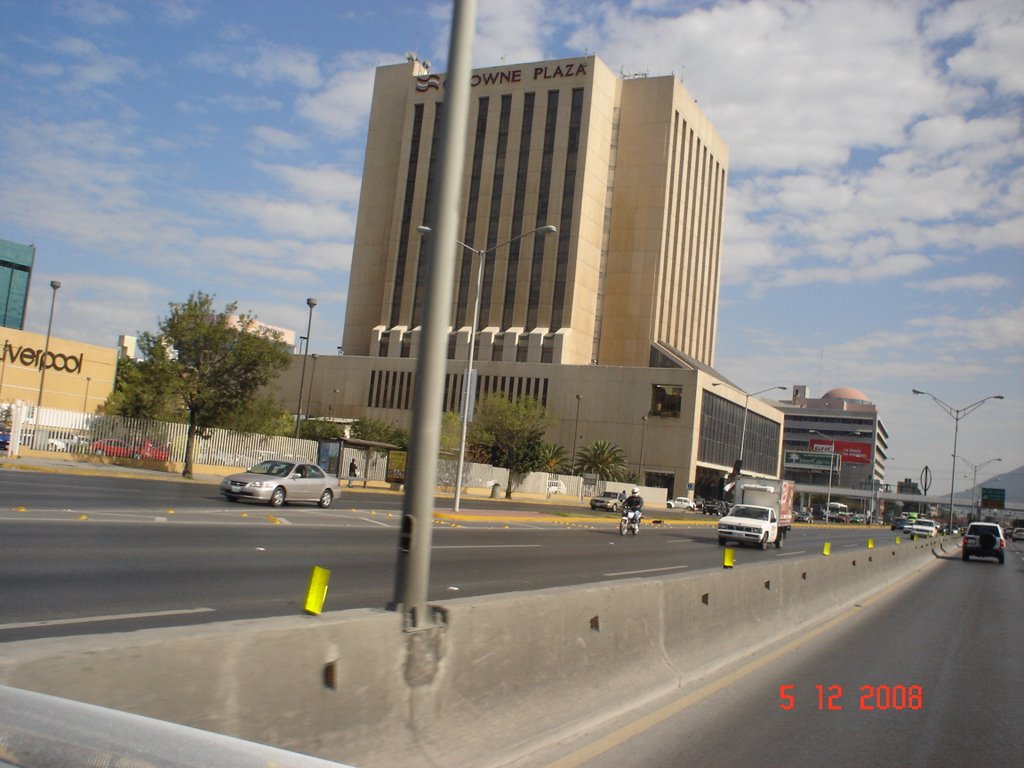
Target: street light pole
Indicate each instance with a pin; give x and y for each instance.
(974, 487)
(312, 378)
(956, 414)
(54, 284)
(468, 388)
(746, 409)
(643, 435)
(302, 379)
(575, 432)
(831, 463)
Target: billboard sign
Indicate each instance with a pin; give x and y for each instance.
(852, 453)
(810, 460)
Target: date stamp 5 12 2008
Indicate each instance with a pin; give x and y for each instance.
(872, 697)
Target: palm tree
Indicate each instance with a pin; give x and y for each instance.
(556, 459)
(603, 459)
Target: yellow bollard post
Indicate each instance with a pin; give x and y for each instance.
(827, 549)
(871, 543)
(317, 592)
(728, 558)
(897, 539)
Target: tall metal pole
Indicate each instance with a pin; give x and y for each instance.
(974, 486)
(413, 567)
(643, 436)
(469, 391)
(956, 414)
(575, 431)
(831, 464)
(746, 411)
(312, 378)
(302, 379)
(44, 363)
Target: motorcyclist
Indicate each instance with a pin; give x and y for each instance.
(635, 502)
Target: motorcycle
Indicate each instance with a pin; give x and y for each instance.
(629, 522)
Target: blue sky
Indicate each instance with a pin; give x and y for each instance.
(874, 223)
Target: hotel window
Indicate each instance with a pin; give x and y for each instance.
(666, 400)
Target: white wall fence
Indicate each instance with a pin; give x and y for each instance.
(86, 434)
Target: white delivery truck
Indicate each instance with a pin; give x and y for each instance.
(762, 514)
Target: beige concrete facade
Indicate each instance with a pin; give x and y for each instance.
(78, 376)
(610, 323)
(631, 173)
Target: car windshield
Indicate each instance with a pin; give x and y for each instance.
(275, 468)
(752, 512)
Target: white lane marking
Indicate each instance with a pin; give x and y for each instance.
(376, 522)
(113, 617)
(647, 570)
(680, 541)
(794, 552)
(489, 546)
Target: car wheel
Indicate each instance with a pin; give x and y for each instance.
(325, 499)
(277, 497)
(231, 498)
(966, 557)
(764, 542)
(721, 542)
(778, 540)
(99, 452)
(1001, 558)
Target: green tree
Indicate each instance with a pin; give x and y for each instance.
(210, 365)
(380, 432)
(603, 459)
(511, 433)
(556, 459)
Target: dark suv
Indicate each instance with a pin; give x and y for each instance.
(984, 540)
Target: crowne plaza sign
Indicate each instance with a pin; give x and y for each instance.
(39, 359)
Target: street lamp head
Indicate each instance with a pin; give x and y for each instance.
(310, 303)
(918, 392)
(423, 229)
(548, 228)
(55, 284)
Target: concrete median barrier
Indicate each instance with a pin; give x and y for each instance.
(497, 676)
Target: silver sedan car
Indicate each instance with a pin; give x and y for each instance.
(278, 482)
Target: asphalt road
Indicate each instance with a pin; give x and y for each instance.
(925, 676)
(98, 554)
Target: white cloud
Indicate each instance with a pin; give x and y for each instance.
(93, 12)
(322, 183)
(95, 68)
(981, 283)
(341, 108)
(267, 138)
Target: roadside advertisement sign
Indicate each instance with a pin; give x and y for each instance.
(852, 453)
(810, 460)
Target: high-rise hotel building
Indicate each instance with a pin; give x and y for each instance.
(631, 173)
(610, 322)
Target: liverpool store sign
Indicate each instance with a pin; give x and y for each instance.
(37, 358)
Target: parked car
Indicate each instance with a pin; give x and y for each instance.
(898, 524)
(124, 450)
(716, 507)
(803, 516)
(983, 540)
(5, 440)
(278, 482)
(1018, 534)
(681, 502)
(609, 500)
